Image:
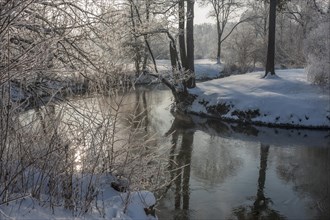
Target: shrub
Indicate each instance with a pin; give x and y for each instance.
(317, 50)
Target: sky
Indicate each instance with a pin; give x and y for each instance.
(201, 15)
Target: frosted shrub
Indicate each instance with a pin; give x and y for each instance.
(317, 50)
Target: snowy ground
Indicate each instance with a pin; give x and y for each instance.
(109, 204)
(287, 99)
(205, 69)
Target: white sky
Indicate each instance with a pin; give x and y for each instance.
(201, 15)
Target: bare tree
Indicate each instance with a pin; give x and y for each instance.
(270, 63)
(223, 11)
(190, 44)
(182, 41)
(46, 47)
(186, 40)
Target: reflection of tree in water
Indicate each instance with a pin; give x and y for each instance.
(308, 170)
(217, 162)
(141, 111)
(133, 113)
(180, 160)
(261, 207)
(137, 110)
(215, 165)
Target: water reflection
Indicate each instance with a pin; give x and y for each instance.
(141, 110)
(261, 203)
(246, 172)
(214, 164)
(180, 164)
(221, 170)
(308, 173)
(261, 208)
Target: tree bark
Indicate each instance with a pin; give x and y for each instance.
(190, 83)
(219, 50)
(173, 57)
(137, 57)
(219, 41)
(182, 43)
(270, 63)
(145, 57)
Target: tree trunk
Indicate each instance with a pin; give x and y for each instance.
(173, 57)
(137, 57)
(219, 51)
(261, 203)
(182, 43)
(190, 44)
(219, 42)
(270, 64)
(145, 56)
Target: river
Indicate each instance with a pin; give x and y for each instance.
(230, 171)
(237, 172)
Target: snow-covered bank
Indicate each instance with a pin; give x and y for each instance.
(292, 137)
(205, 69)
(287, 99)
(108, 204)
(37, 93)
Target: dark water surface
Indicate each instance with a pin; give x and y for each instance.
(236, 172)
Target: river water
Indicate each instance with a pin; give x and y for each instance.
(235, 172)
(229, 171)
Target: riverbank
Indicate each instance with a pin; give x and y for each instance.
(284, 100)
(205, 69)
(107, 203)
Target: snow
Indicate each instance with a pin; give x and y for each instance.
(286, 99)
(204, 68)
(139, 199)
(109, 204)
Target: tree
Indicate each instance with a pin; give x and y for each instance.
(182, 41)
(205, 39)
(302, 17)
(317, 49)
(185, 74)
(186, 45)
(223, 11)
(190, 83)
(241, 50)
(318, 54)
(44, 45)
(140, 19)
(270, 63)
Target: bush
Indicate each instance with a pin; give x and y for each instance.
(66, 154)
(317, 50)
